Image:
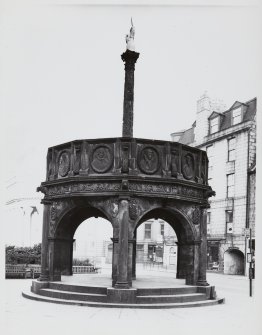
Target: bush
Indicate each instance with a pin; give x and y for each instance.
(23, 255)
(84, 262)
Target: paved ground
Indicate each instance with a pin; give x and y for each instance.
(239, 315)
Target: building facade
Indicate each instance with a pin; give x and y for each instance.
(229, 138)
(156, 243)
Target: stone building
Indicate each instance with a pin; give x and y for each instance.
(156, 242)
(229, 138)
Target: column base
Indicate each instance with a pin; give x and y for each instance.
(121, 285)
(202, 283)
(43, 277)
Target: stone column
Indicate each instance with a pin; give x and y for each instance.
(134, 256)
(55, 259)
(203, 249)
(122, 266)
(44, 247)
(66, 255)
(129, 58)
(130, 262)
(188, 261)
(114, 260)
(181, 260)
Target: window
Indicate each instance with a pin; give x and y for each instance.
(231, 149)
(229, 216)
(214, 125)
(236, 116)
(147, 230)
(208, 217)
(209, 151)
(162, 229)
(230, 185)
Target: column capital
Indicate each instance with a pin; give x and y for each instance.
(130, 58)
(46, 202)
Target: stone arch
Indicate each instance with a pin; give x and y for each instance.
(60, 245)
(187, 235)
(234, 262)
(72, 218)
(183, 227)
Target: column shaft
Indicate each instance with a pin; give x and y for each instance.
(44, 247)
(203, 250)
(122, 266)
(130, 58)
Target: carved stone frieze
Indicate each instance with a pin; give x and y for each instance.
(102, 159)
(148, 160)
(179, 190)
(83, 188)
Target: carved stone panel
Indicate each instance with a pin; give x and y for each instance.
(188, 166)
(63, 163)
(134, 209)
(196, 215)
(174, 163)
(102, 159)
(125, 158)
(113, 207)
(148, 160)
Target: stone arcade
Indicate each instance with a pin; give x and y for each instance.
(127, 181)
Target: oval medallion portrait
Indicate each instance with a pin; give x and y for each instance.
(102, 159)
(63, 164)
(148, 160)
(188, 166)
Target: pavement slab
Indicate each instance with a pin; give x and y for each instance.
(239, 314)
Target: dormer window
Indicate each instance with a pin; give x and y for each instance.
(214, 125)
(236, 116)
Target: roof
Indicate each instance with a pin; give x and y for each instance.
(188, 135)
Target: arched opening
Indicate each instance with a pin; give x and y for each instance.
(234, 262)
(156, 246)
(165, 239)
(80, 234)
(90, 246)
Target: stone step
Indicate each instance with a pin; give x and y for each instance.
(68, 295)
(33, 296)
(166, 290)
(77, 288)
(176, 298)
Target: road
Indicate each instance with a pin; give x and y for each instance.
(239, 314)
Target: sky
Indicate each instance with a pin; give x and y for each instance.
(63, 77)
